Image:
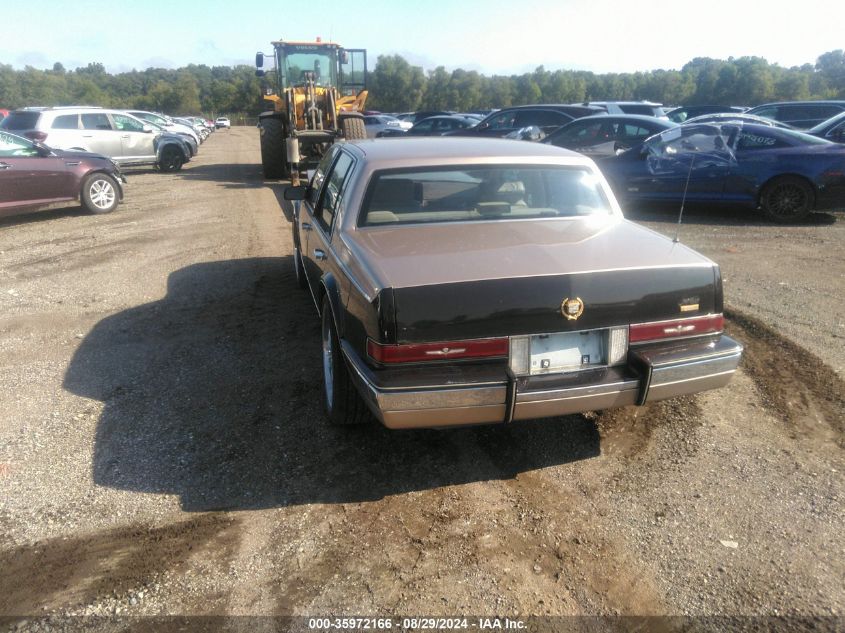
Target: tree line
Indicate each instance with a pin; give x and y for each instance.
(397, 86)
(191, 90)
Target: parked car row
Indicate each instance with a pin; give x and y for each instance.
(130, 138)
(54, 155)
(760, 162)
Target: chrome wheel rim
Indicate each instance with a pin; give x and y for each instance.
(787, 200)
(102, 194)
(328, 352)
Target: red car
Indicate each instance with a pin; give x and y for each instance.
(33, 176)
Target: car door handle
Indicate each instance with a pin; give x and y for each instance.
(87, 136)
(320, 255)
(306, 226)
(5, 166)
(125, 136)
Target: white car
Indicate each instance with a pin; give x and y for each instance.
(167, 123)
(222, 122)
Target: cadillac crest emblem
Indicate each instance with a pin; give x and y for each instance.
(572, 308)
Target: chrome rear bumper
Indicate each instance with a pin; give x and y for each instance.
(437, 397)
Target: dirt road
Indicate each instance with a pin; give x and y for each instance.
(162, 449)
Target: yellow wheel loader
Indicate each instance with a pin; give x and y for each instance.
(319, 99)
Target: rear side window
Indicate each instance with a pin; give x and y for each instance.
(20, 121)
(97, 121)
(334, 189)
(466, 194)
(66, 122)
(320, 175)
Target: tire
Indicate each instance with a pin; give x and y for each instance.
(171, 159)
(273, 156)
(301, 281)
(787, 199)
(341, 401)
(353, 128)
(99, 194)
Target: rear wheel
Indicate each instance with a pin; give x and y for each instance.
(99, 194)
(342, 402)
(787, 199)
(273, 156)
(171, 159)
(353, 128)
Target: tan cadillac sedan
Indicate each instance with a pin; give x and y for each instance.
(478, 281)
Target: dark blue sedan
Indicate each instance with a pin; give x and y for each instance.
(786, 173)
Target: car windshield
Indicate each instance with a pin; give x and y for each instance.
(500, 192)
(300, 60)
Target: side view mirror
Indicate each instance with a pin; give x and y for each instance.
(259, 60)
(147, 128)
(259, 73)
(296, 193)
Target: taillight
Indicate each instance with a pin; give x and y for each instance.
(694, 326)
(39, 137)
(422, 352)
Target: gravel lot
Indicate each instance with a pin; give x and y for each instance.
(162, 449)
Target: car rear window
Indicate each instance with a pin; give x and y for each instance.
(497, 192)
(20, 121)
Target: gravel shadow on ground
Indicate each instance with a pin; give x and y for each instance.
(213, 394)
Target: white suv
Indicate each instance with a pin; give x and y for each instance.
(122, 137)
(222, 122)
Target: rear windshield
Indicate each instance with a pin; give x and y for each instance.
(500, 192)
(20, 121)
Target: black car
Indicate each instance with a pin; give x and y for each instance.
(801, 115)
(679, 115)
(833, 129)
(416, 117)
(605, 134)
(547, 117)
(432, 126)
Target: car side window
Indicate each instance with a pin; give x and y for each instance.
(95, 121)
(424, 125)
(66, 122)
(11, 146)
(541, 118)
(635, 133)
(127, 124)
(583, 133)
(331, 201)
(320, 175)
(502, 120)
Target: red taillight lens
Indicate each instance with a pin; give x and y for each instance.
(36, 136)
(421, 352)
(710, 324)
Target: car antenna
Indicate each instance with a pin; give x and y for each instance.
(684, 200)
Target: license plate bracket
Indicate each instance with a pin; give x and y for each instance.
(564, 352)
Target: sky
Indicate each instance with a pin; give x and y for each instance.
(489, 36)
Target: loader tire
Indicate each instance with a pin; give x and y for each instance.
(273, 155)
(353, 128)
